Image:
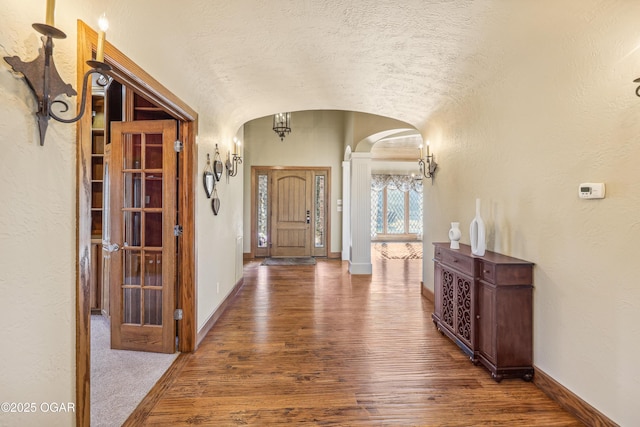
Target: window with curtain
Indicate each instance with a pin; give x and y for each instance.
(396, 206)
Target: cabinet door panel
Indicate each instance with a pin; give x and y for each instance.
(486, 321)
(437, 290)
(448, 295)
(464, 311)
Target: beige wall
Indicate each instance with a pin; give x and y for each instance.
(316, 139)
(561, 112)
(37, 234)
(38, 216)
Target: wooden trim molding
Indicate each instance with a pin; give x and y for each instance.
(221, 309)
(143, 409)
(87, 40)
(570, 402)
(268, 170)
(427, 293)
(131, 75)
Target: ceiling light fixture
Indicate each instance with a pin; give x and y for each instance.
(282, 124)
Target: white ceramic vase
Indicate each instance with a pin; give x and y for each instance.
(454, 235)
(477, 233)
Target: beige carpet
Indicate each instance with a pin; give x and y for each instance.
(397, 250)
(120, 379)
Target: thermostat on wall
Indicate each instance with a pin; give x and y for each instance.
(591, 190)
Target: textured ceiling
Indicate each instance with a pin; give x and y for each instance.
(244, 59)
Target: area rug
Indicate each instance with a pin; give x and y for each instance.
(398, 250)
(289, 261)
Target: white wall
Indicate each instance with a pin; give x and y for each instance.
(316, 139)
(562, 111)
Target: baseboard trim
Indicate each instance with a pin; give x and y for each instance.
(216, 314)
(426, 292)
(335, 255)
(360, 268)
(570, 402)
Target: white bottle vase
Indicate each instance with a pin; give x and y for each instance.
(454, 235)
(477, 233)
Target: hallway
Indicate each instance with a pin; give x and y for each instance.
(314, 345)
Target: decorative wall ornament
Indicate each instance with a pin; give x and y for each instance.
(477, 233)
(208, 179)
(454, 235)
(215, 202)
(218, 167)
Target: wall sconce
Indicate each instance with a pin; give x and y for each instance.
(233, 162)
(43, 78)
(427, 164)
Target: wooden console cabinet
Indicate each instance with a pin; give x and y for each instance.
(485, 305)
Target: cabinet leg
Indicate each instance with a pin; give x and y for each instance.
(496, 377)
(528, 377)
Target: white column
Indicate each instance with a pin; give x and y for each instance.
(346, 211)
(360, 213)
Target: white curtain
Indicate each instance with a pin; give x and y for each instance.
(403, 183)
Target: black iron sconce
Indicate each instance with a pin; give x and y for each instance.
(45, 81)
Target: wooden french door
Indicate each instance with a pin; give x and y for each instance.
(291, 210)
(143, 244)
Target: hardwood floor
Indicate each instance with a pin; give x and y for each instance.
(314, 345)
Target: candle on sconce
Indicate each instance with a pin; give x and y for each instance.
(103, 23)
(420, 150)
(50, 16)
(427, 149)
(235, 145)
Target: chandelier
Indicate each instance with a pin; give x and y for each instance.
(282, 124)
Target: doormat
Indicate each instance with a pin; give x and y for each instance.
(397, 250)
(289, 261)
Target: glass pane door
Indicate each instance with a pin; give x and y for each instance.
(142, 224)
(144, 211)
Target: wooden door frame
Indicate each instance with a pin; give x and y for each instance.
(255, 171)
(130, 74)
